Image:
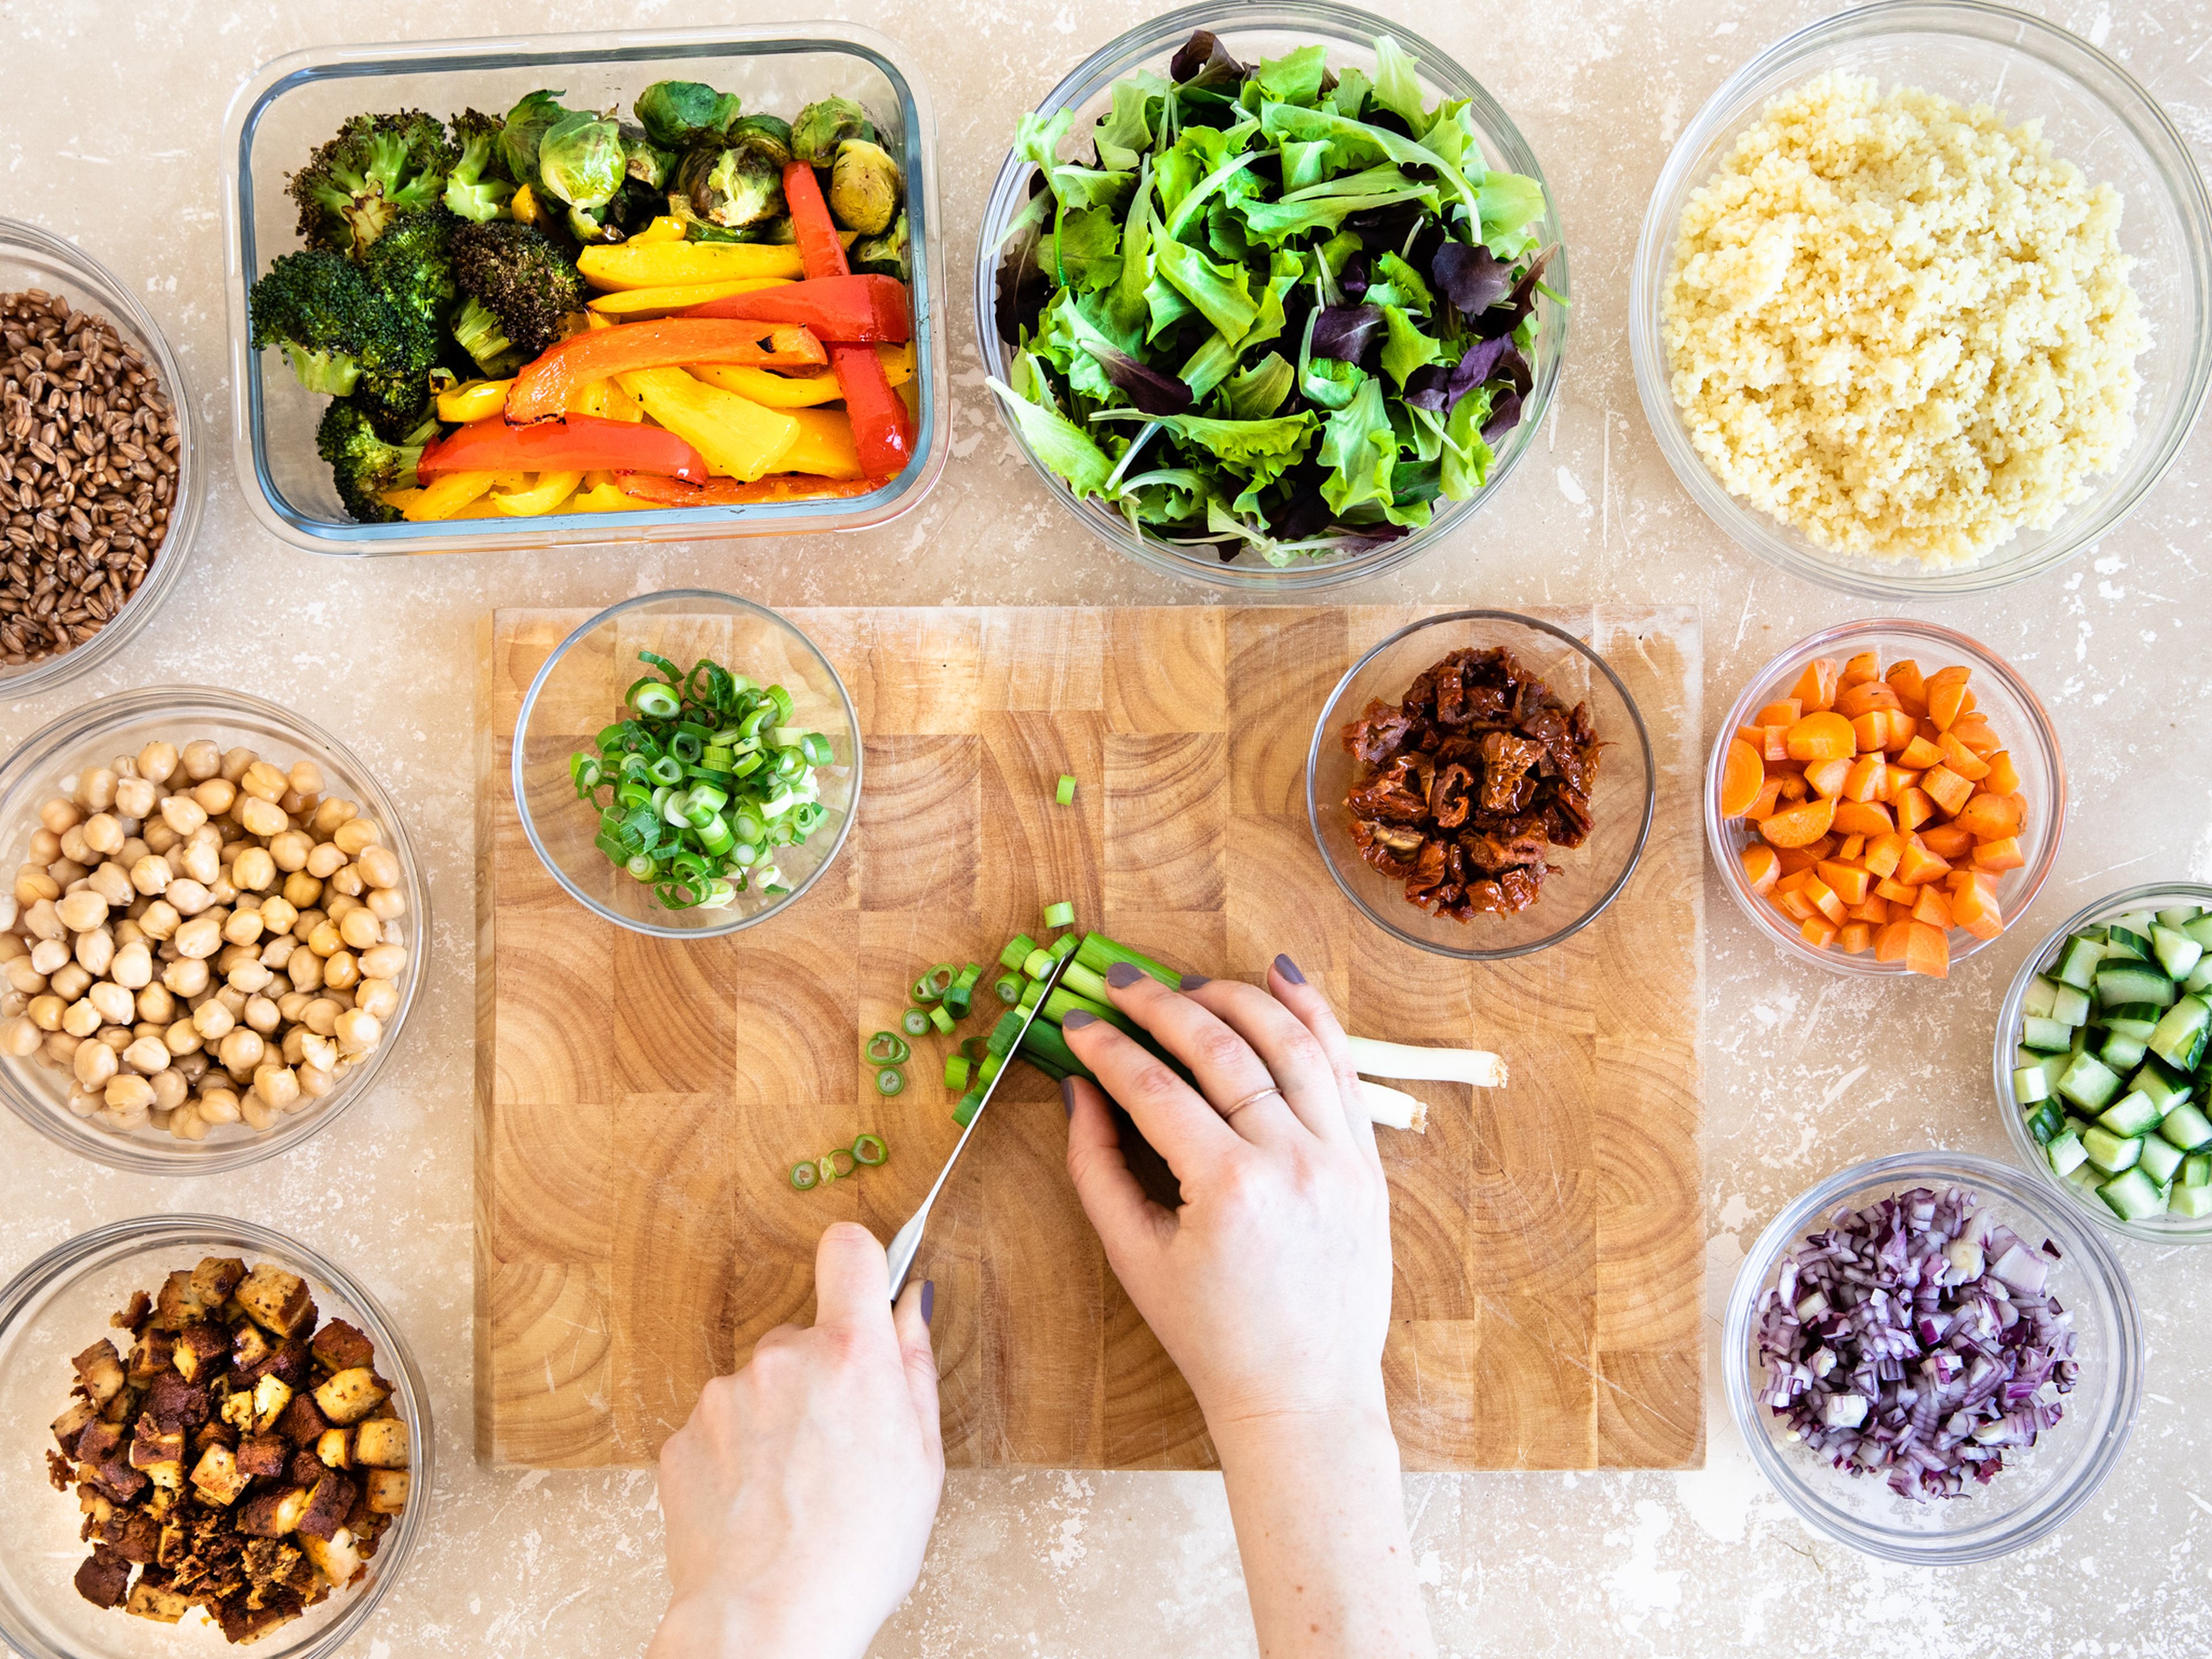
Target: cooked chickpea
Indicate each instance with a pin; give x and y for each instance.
(133, 966)
(201, 760)
(43, 919)
(112, 882)
(33, 883)
(83, 911)
(95, 789)
(135, 797)
(277, 1084)
(304, 968)
(114, 1005)
(264, 783)
(342, 971)
(242, 927)
(332, 813)
(150, 875)
(169, 1090)
(258, 816)
(49, 954)
(277, 950)
(355, 835)
(261, 1015)
(257, 1113)
(45, 1012)
(81, 1018)
(127, 1092)
(61, 1047)
(188, 896)
(187, 1124)
(157, 1005)
(218, 1105)
(95, 1063)
(360, 928)
(157, 760)
(215, 796)
(160, 838)
(301, 890)
(183, 814)
(45, 846)
(23, 977)
(21, 1038)
(253, 869)
(290, 851)
(236, 761)
(231, 998)
(305, 923)
(200, 937)
(157, 921)
(182, 1039)
(326, 860)
(58, 815)
(213, 1020)
(240, 1051)
(204, 864)
(71, 981)
(75, 848)
(357, 1032)
(186, 976)
(325, 940)
(147, 1055)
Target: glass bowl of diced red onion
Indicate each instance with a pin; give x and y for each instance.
(1934, 1357)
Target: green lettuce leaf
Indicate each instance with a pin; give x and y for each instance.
(1359, 448)
(1126, 134)
(1128, 313)
(1466, 459)
(1258, 391)
(1405, 347)
(1354, 88)
(1510, 203)
(1295, 77)
(1057, 441)
(1082, 251)
(1395, 282)
(1036, 141)
(1222, 293)
(1397, 85)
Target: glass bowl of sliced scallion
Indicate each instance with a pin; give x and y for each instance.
(686, 763)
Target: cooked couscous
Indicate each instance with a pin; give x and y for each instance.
(1900, 326)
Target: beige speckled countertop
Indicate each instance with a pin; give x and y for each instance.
(108, 135)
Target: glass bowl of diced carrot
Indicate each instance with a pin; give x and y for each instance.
(1884, 797)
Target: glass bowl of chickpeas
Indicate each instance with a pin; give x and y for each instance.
(210, 941)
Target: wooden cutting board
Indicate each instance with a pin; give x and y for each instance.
(639, 1103)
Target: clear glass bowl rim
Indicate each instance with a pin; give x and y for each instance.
(35, 756)
(395, 1363)
(1729, 107)
(192, 466)
(369, 61)
(736, 924)
(1149, 40)
(1321, 732)
(1730, 868)
(2101, 1270)
(2008, 1017)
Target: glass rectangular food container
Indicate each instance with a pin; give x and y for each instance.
(294, 103)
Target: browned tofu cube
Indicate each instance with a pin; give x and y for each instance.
(217, 1278)
(140, 1539)
(200, 1351)
(380, 1443)
(174, 1403)
(351, 1395)
(277, 1300)
(100, 1442)
(264, 1455)
(271, 1395)
(242, 1622)
(342, 1347)
(303, 1423)
(151, 1444)
(335, 1557)
(103, 1578)
(237, 1410)
(75, 1421)
(335, 1448)
(328, 1505)
(156, 1601)
(387, 1490)
(100, 1368)
(133, 1313)
(249, 1346)
(273, 1514)
(187, 1299)
(119, 1481)
(151, 1354)
(217, 1478)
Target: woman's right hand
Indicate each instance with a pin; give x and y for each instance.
(1270, 1287)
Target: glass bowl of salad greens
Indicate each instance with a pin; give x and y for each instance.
(685, 763)
(2102, 1066)
(1273, 296)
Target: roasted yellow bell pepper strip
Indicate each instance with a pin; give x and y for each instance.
(448, 495)
(628, 302)
(639, 263)
(665, 228)
(738, 437)
(401, 499)
(472, 400)
(541, 496)
(776, 391)
(825, 447)
(604, 498)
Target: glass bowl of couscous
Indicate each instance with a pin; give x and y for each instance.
(1920, 306)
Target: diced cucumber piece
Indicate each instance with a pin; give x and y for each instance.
(2089, 1084)
(2069, 1005)
(2040, 994)
(2133, 981)
(2194, 1202)
(2180, 915)
(2187, 1127)
(2200, 930)
(2133, 1195)
(2200, 976)
(2109, 1153)
(2176, 952)
(2030, 1084)
(2065, 1154)
(2167, 1087)
(2130, 937)
(2077, 962)
(2046, 1121)
(2159, 1159)
(2196, 1169)
(2131, 1115)
(2086, 1178)
(2121, 1051)
(2179, 1038)
(2047, 1035)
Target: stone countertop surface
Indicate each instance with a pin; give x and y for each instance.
(109, 136)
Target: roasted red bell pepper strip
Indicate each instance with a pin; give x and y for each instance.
(835, 308)
(729, 492)
(883, 430)
(543, 387)
(574, 443)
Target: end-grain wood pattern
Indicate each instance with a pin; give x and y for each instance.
(639, 1102)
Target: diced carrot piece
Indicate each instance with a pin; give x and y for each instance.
(1871, 731)
(1918, 754)
(1742, 774)
(1796, 906)
(1857, 699)
(1962, 760)
(1864, 782)
(1917, 864)
(1947, 841)
(1851, 884)
(1796, 861)
(1883, 853)
(1904, 678)
(2001, 854)
(2004, 776)
(1867, 817)
(1770, 796)
(1927, 951)
(1852, 847)
(1958, 674)
(1946, 703)
(1861, 669)
(1823, 898)
(1896, 780)
(1816, 686)
(1819, 932)
(1903, 728)
(1875, 910)
(1976, 733)
(1854, 938)
(1786, 711)
(1793, 785)
(1795, 826)
(1828, 777)
(1914, 809)
(1793, 876)
(1989, 817)
(1897, 892)
(1974, 908)
(1889, 941)
(1760, 866)
(1822, 736)
(1932, 908)
(1774, 744)
(1946, 789)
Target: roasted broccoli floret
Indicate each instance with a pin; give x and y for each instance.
(364, 465)
(523, 279)
(478, 187)
(378, 169)
(478, 331)
(324, 314)
(412, 265)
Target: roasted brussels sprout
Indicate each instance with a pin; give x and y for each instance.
(680, 114)
(645, 160)
(581, 159)
(737, 187)
(864, 187)
(525, 127)
(884, 255)
(822, 127)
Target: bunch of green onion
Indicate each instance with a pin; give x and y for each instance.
(708, 778)
(1082, 987)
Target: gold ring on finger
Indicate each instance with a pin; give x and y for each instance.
(1230, 1113)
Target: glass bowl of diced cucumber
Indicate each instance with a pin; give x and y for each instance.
(2103, 1064)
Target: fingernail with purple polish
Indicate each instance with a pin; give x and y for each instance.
(1123, 974)
(1288, 970)
(1068, 1094)
(1192, 982)
(1077, 1018)
(929, 1299)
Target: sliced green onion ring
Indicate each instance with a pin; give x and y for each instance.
(889, 1049)
(804, 1176)
(916, 1022)
(891, 1081)
(869, 1149)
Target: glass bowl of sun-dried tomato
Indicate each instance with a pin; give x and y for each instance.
(1480, 785)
